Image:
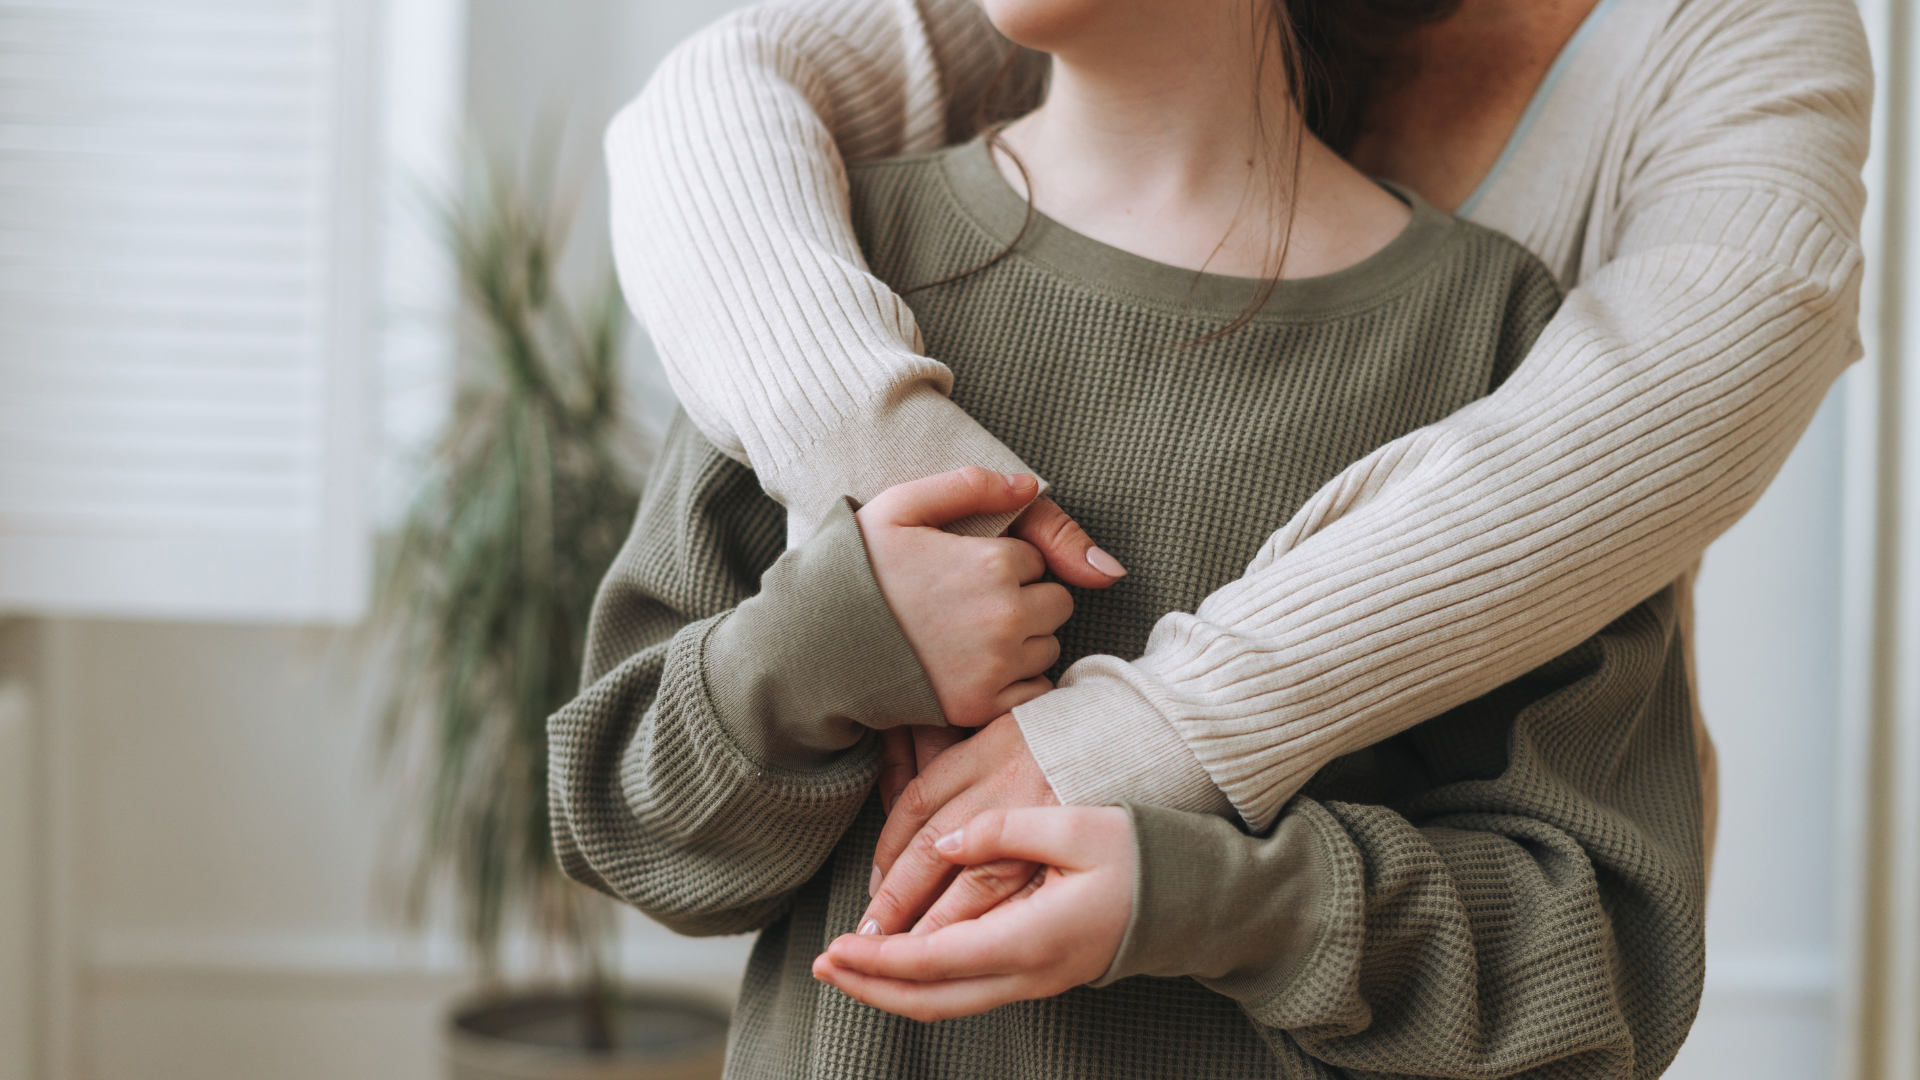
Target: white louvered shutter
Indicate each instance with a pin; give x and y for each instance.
(184, 283)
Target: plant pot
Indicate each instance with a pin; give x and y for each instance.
(542, 1036)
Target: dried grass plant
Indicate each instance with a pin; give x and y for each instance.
(485, 593)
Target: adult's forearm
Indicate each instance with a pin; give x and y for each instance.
(1652, 414)
(734, 243)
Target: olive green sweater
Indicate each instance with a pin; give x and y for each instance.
(1514, 887)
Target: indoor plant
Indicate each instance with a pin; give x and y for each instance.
(483, 608)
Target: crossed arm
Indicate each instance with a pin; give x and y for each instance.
(1504, 919)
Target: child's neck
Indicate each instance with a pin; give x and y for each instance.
(1162, 159)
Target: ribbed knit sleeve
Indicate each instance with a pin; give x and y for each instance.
(1717, 298)
(733, 241)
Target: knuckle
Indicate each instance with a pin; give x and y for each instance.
(1057, 528)
(914, 799)
(924, 840)
(1050, 648)
(996, 616)
(1060, 595)
(975, 477)
(1001, 561)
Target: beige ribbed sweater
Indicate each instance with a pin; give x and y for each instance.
(1690, 171)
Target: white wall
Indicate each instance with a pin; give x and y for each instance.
(230, 830)
(1768, 640)
(205, 898)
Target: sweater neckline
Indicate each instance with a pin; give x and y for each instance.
(1537, 103)
(986, 197)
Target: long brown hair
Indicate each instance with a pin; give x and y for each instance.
(1336, 57)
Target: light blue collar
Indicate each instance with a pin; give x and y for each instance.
(1538, 103)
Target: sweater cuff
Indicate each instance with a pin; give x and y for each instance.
(920, 434)
(1244, 915)
(802, 670)
(1100, 741)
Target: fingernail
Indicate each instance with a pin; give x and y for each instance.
(949, 843)
(873, 883)
(871, 928)
(1105, 563)
(1017, 481)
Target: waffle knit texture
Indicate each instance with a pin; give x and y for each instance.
(1513, 887)
(1692, 176)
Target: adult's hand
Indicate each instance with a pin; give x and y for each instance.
(1064, 934)
(992, 770)
(1069, 551)
(904, 753)
(974, 609)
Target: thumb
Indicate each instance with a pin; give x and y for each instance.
(948, 497)
(1069, 551)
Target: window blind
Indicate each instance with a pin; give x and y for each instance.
(183, 307)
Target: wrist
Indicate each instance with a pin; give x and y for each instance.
(1245, 915)
(802, 670)
(921, 434)
(1100, 740)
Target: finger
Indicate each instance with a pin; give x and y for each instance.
(930, 743)
(998, 946)
(1020, 560)
(911, 882)
(1039, 653)
(1025, 690)
(950, 496)
(1069, 551)
(926, 796)
(1046, 607)
(925, 1002)
(898, 763)
(978, 890)
(1062, 836)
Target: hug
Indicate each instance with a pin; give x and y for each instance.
(1175, 560)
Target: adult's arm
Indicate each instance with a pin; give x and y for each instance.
(734, 241)
(1649, 416)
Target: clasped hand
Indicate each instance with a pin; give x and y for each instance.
(1007, 895)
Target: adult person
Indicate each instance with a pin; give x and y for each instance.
(1689, 169)
(1515, 888)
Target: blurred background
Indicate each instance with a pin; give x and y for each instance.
(227, 341)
